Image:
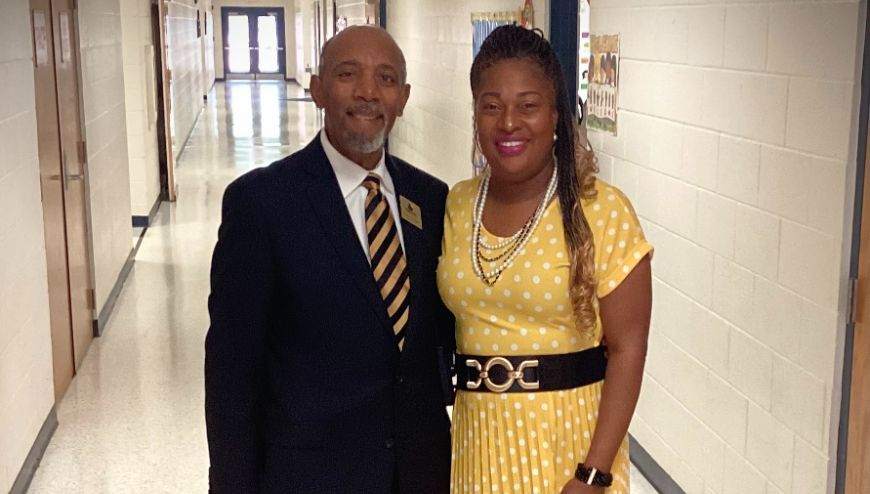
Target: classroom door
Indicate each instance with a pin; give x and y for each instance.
(63, 174)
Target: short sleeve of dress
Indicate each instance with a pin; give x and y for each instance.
(620, 242)
(449, 211)
(460, 195)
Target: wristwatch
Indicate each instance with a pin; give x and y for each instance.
(592, 476)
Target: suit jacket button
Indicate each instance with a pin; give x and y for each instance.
(388, 443)
(400, 379)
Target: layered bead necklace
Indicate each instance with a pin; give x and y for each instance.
(509, 247)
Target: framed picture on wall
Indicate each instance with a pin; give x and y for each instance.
(603, 76)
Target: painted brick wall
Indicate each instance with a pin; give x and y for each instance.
(736, 138)
(26, 379)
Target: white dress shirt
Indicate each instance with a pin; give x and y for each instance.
(350, 177)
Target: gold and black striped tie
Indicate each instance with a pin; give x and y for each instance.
(388, 260)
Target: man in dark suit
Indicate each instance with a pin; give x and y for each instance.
(323, 371)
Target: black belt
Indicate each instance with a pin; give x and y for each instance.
(531, 372)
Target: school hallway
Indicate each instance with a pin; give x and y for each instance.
(132, 420)
(738, 133)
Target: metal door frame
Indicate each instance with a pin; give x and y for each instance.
(253, 41)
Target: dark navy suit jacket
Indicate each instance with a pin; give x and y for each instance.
(306, 390)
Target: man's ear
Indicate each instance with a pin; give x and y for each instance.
(317, 90)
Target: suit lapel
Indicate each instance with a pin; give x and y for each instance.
(331, 210)
(414, 243)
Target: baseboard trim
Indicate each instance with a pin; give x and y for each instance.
(106, 312)
(654, 473)
(34, 457)
(145, 221)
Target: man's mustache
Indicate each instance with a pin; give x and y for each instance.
(367, 109)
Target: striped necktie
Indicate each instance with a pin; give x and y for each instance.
(388, 260)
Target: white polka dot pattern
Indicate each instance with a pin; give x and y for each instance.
(530, 442)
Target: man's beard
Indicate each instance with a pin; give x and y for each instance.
(362, 144)
(359, 143)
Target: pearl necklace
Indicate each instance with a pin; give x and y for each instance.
(514, 244)
(501, 245)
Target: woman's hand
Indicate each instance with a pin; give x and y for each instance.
(574, 486)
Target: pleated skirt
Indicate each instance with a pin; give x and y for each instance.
(527, 443)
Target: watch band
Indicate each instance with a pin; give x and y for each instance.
(592, 476)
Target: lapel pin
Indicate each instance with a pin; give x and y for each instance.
(411, 212)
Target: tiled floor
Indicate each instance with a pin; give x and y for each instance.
(132, 421)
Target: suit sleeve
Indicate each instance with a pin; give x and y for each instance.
(242, 287)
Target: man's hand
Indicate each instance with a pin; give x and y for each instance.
(574, 486)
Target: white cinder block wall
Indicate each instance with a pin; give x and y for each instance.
(141, 103)
(435, 36)
(26, 379)
(208, 40)
(185, 61)
(735, 144)
(105, 119)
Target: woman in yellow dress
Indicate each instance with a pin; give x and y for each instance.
(548, 274)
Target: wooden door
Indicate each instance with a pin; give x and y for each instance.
(62, 178)
(50, 170)
(858, 450)
(164, 101)
(74, 160)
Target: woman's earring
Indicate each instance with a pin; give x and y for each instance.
(478, 160)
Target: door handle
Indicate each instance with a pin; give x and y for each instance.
(67, 177)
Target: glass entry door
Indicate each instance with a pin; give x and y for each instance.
(254, 44)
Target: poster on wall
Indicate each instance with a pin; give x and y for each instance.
(603, 83)
(583, 54)
(528, 16)
(40, 38)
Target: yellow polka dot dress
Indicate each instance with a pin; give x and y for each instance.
(530, 442)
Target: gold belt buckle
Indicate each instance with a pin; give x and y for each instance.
(514, 375)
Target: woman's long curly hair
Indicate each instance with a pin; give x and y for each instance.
(575, 162)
